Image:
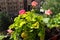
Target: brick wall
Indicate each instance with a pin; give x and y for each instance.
(11, 6)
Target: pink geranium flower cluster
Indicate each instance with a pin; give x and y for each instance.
(48, 12)
(34, 3)
(22, 11)
(9, 31)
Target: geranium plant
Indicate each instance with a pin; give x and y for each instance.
(28, 25)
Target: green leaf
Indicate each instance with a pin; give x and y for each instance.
(22, 23)
(1, 37)
(35, 25)
(46, 20)
(17, 18)
(11, 26)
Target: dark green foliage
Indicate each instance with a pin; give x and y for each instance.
(4, 21)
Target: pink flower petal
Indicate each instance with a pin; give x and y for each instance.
(34, 3)
(9, 31)
(48, 12)
(22, 11)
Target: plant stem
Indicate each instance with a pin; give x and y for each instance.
(42, 38)
(43, 35)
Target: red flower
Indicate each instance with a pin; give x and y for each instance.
(22, 11)
(34, 3)
(48, 12)
(9, 31)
